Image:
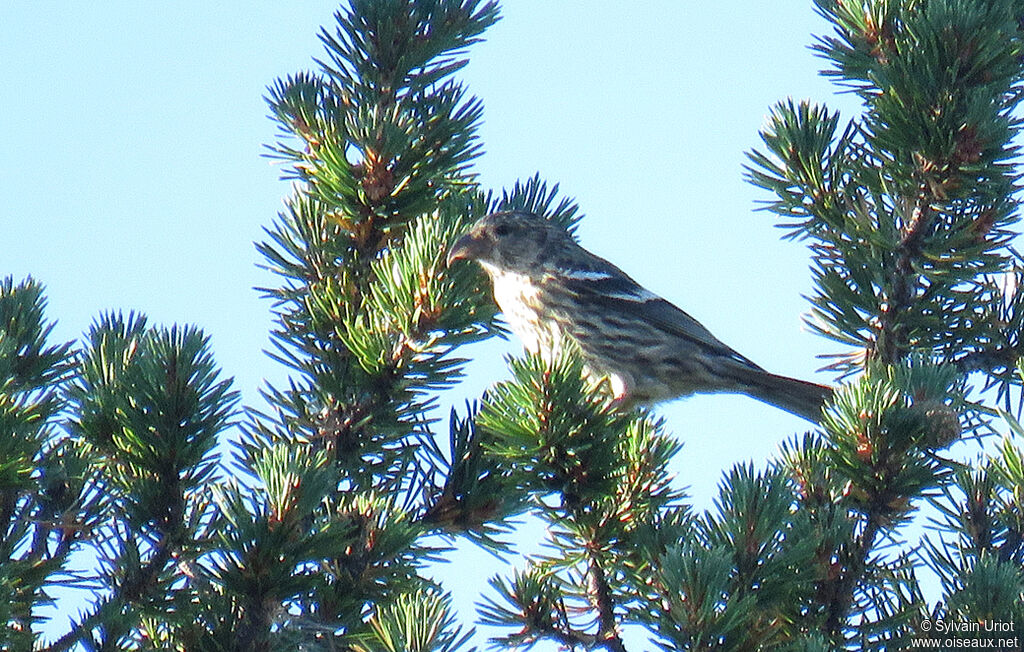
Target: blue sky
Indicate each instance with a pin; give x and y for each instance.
(132, 174)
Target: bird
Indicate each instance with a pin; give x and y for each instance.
(548, 287)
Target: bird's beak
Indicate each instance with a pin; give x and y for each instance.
(470, 246)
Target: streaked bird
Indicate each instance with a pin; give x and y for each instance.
(549, 287)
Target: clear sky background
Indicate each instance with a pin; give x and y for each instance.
(132, 175)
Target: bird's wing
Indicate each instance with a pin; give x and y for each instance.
(608, 286)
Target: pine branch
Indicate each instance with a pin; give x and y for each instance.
(32, 374)
(148, 406)
(254, 630)
(909, 209)
(841, 590)
(109, 615)
(892, 342)
(600, 479)
(601, 601)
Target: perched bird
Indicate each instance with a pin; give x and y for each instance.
(549, 287)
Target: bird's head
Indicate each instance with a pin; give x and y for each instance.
(514, 241)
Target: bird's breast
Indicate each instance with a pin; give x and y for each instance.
(531, 311)
(522, 303)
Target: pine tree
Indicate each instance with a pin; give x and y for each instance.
(315, 530)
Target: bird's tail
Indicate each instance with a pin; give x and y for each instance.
(799, 397)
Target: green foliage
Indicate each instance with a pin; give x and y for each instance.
(123, 481)
(382, 134)
(534, 196)
(39, 486)
(744, 573)
(413, 623)
(534, 599)
(368, 316)
(912, 205)
(882, 444)
(981, 567)
(908, 210)
(478, 493)
(149, 407)
(549, 425)
(598, 477)
(701, 612)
